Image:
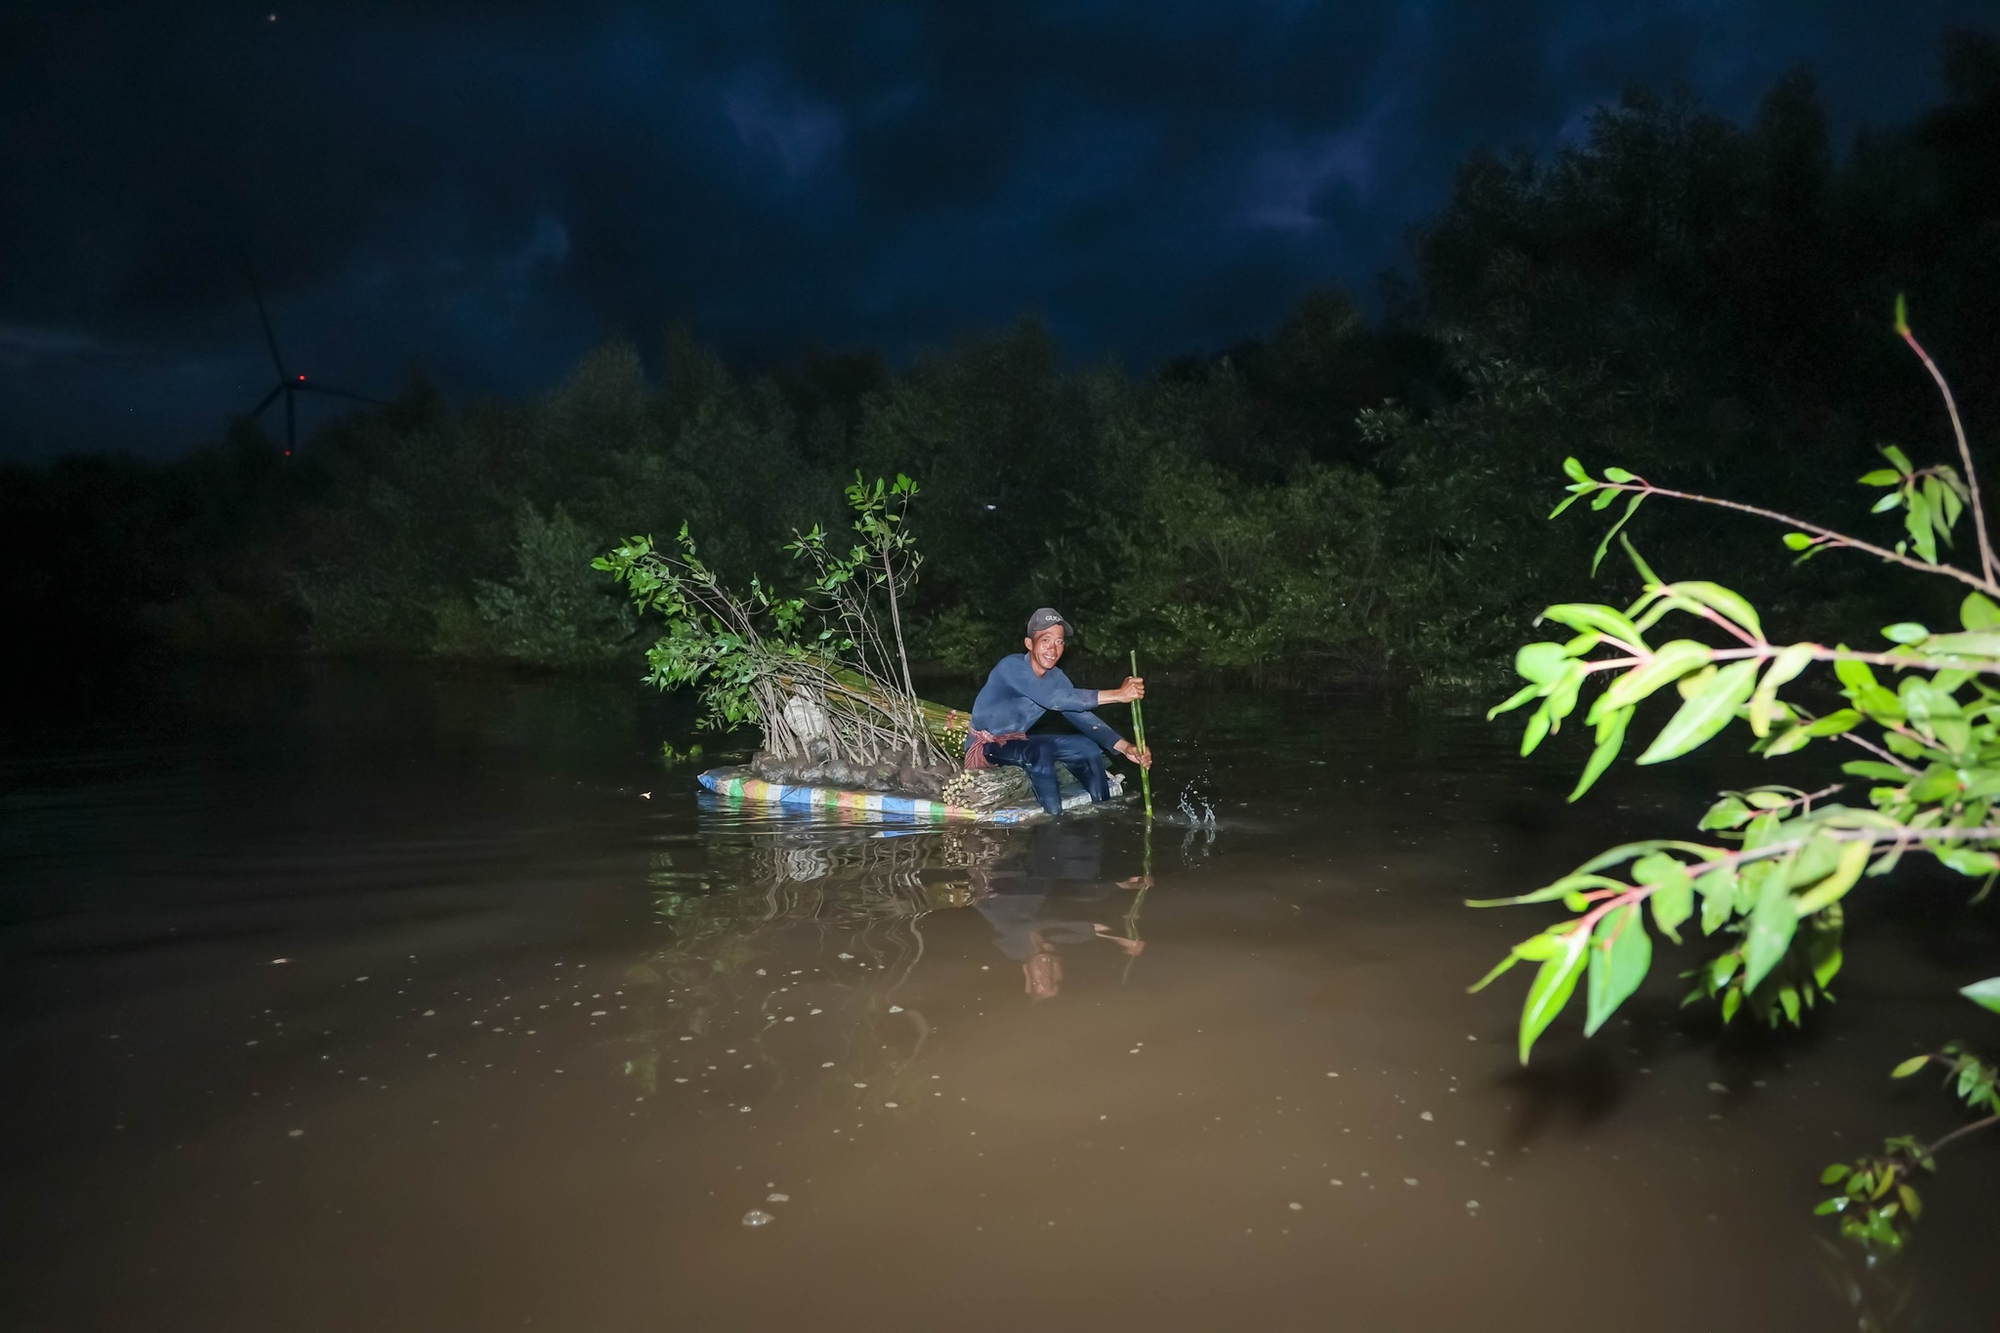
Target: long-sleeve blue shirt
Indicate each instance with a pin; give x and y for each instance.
(1014, 699)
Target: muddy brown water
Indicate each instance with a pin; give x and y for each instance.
(346, 998)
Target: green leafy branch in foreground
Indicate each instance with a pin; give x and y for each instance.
(1771, 880)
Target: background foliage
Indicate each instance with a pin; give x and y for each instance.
(1698, 299)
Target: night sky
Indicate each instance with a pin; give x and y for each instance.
(492, 188)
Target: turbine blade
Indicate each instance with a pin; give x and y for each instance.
(291, 423)
(339, 393)
(264, 318)
(269, 398)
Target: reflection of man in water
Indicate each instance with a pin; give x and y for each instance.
(1064, 861)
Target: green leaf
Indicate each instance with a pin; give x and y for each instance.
(1985, 994)
(1810, 863)
(1968, 862)
(1763, 829)
(1785, 742)
(1909, 1067)
(1695, 682)
(1729, 812)
(1536, 730)
(1605, 545)
(1854, 675)
(1718, 898)
(1554, 983)
(1494, 975)
(1917, 522)
(1592, 617)
(1953, 505)
(1620, 953)
(1934, 494)
(1852, 861)
(1673, 892)
(1882, 476)
(1978, 612)
(1835, 723)
(1935, 785)
(1540, 662)
(1705, 714)
(1562, 694)
(1787, 665)
(1618, 474)
(1724, 602)
(1870, 768)
(1905, 631)
(1909, 748)
(1638, 562)
(1835, 1173)
(1899, 458)
(1826, 953)
(1574, 469)
(1902, 316)
(1540, 948)
(1611, 737)
(1798, 541)
(1985, 643)
(1772, 923)
(1673, 660)
(1515, 700)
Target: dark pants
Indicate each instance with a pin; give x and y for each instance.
(1039, 755)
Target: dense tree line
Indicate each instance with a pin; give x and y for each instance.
(1704, 302)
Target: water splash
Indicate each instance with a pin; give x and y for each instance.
(1200, 814)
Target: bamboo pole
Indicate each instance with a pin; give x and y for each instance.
(1138, 901)
(1139, 739)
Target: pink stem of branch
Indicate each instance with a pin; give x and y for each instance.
(1986, 584)
(1961, 1132)
(1986, 562)
(1820, 653)
(1731, 626)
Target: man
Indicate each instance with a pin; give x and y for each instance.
(1021, 689)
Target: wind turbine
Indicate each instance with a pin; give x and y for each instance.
(289, 385)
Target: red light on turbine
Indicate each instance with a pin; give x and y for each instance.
(302, 377)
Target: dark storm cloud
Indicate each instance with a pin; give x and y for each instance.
(493, 188)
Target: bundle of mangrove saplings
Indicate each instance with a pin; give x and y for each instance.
(824, 675)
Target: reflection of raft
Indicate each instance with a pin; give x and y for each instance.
(742, 785)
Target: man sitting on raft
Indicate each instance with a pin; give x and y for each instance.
(1022, 688)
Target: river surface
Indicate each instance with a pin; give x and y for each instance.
(342, 998)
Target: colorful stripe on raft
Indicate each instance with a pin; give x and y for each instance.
(739, 785)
